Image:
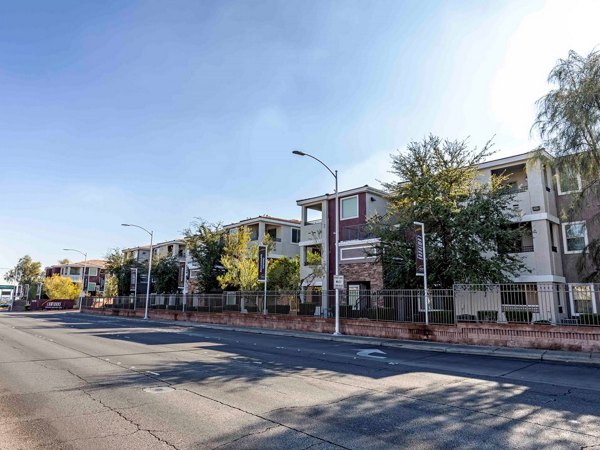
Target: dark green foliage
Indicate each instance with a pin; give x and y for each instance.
(307, 309)
(487, 316)
(589, 319)
(436, 317)
(120, 267)
(518, 316)
(205, 243)
(165, 275)
(568, 121)
(284, 274)
(465, 221)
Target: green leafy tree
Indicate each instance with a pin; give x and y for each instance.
(239, 261)
(64, 261)
(205, 242)
(284, 274)
(111, 286)
(26, 272)
(63, 288)
(466, 222)
(118, 266)
(568, 122)
(165, 275)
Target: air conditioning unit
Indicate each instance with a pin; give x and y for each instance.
(536, 208)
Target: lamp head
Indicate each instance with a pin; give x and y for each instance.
(299, 153)
(125, 225)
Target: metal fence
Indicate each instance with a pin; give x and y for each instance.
(524, 303)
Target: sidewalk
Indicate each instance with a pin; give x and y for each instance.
(586, 358)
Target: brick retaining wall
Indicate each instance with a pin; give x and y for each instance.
(548, 337)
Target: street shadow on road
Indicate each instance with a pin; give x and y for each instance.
(378, 406)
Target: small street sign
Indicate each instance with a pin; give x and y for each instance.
(338, 281)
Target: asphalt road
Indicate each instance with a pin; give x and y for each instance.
(71, 381)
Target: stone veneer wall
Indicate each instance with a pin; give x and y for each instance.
(367, 271)
(549, 337)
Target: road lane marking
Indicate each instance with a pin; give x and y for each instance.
(368, 353)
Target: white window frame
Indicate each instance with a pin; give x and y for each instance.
(89, 284)
(358, 247)
(593, 299)
(92, 274)
(342, 209)
(292, 235)
(564, 235)
(560, 191)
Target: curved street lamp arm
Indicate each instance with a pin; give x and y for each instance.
(324, 165)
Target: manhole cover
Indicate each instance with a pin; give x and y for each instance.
(158, 389)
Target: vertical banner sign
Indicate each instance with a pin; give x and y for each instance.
(262, 262)
(133, 283)
(421, 263)
(419, 250)
(262, 271)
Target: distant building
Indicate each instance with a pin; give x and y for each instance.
(91, 272)
(164, 249)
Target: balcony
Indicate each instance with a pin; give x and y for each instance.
(356, 233)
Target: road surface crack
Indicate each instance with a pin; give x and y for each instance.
(258, 416)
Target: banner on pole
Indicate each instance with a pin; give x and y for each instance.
(420, 249)
(133, 282)
(262, 263)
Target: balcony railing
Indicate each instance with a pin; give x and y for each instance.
(356, 233)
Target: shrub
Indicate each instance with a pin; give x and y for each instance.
(589, 319)
(231, 307)
(381, 313)
(487, 316)
(466, 318)
(278, 309)
(542, 322)
(518, 316)
(436, 317)
(307, 309)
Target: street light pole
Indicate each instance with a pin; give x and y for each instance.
(151, 233)
(337, 236)
(82, 296)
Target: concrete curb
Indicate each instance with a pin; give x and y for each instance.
(554, 356)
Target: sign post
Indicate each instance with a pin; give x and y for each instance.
(262, 271)
(421, 262)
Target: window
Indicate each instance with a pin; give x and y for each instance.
(355, 253)
(253, 232)
(91, 287)
(75, 271)
(574, 237)
(350, 207)
(295, 235)
(582, 299)
(92, 272)
(568, 181)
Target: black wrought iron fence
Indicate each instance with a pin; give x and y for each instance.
(517, 303)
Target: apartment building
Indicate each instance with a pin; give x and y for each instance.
(317, 246)
(164, 249)
(91, 272)
(284, 236)
(535, 197)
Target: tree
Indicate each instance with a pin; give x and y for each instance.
(239, 261)
(284, 274)
(59, 287)
(111, 286)
(119, 266)
(165, 275)
(467, 223)
(204, 242)
(64, 261)
(568, 121)
(26, 272)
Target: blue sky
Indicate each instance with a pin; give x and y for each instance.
(158, 112)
